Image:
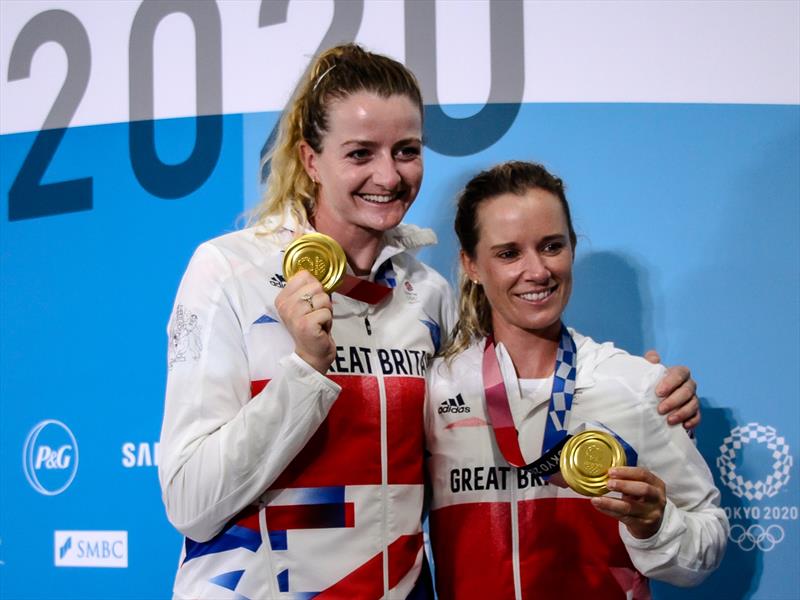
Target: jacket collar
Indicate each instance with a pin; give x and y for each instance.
(590, 354)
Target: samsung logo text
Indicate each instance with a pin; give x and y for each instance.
(143, 454)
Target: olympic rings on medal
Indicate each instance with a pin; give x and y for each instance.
(307, 298)
(756, 536)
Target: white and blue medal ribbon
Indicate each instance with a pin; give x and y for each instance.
(631, 456)
(563, 392)
(556, 427)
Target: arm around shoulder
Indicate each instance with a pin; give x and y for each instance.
(692, 538)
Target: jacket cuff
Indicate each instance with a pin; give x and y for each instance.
(672, 526)
(302, 370)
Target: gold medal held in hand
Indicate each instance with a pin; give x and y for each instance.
(320, 255)
(586, 459)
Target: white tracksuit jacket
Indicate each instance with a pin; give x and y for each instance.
(498, 532)
(287, 483)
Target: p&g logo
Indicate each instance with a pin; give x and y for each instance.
(50, 457)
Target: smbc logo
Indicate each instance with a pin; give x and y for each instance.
(50, 457)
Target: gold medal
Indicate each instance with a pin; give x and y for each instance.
(320, 255)
(586, 459)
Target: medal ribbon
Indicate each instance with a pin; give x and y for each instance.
(631, 456)
(369, 291)
(363, 290)
(561, 396)
(555, 432)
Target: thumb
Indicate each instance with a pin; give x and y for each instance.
(652, 356)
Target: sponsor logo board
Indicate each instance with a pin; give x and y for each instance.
(50, 457)
(91, 549)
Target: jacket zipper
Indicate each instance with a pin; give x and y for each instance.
(515, 539)
(262, 525)
(384, 484)
(384, 466)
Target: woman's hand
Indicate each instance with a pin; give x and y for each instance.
(307, 312)
(678, 393)
(641, 507)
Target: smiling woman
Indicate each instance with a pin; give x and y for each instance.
(368, 171)
(523, 260)
(281, 464)
(529, 383)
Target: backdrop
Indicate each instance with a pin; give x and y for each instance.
(131, 132)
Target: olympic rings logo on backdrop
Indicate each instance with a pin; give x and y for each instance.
(50, 457)
(726, 462)
(756, 536)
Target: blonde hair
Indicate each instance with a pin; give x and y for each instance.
(335, 74)
(513, 177)
(474, 317)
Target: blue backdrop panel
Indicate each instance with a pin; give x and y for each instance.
(688, 217)
(85, 302)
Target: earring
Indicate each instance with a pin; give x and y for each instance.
(476, 282)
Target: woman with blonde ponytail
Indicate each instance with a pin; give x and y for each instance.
(292, 438)
(289, 185)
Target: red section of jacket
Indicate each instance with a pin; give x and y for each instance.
(466, 538)
(346, 449)
(367, 580)
(405, 434)
(567, 550)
